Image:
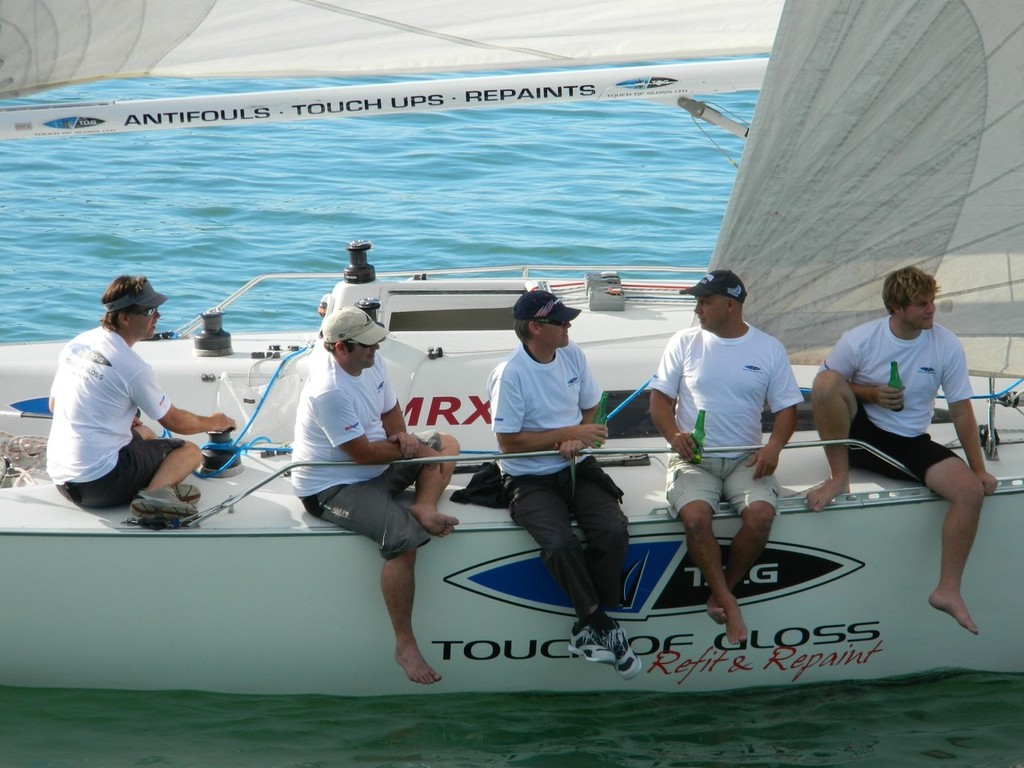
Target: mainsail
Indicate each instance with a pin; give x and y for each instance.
(46, 43)
(887, 133)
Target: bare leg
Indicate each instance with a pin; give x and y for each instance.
(176, 466)
(834, 406)
(398, 583)
(430, 484)
(747, 545)
(954, 481)
(705, 552)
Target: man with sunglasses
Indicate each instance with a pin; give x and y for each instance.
(543, 399)
(99, 454)
(348, 412)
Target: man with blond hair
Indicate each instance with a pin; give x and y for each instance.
(852, 398)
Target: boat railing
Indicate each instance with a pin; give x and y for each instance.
(519, 271)
(484, 458)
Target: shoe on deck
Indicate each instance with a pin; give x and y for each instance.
(186, 492)
(161, 508)
(625, 661)
(585, 642)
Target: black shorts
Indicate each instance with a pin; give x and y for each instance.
(918, 453)
(137, 462)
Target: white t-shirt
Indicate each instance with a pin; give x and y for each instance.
(934, 359)
(731, 379)
(99, 383)
(336, 407)
(527, 396)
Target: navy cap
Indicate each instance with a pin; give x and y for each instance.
(722, 282)
(537, 305)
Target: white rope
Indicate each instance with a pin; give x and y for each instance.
(26, 455)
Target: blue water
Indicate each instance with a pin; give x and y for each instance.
(202, 211)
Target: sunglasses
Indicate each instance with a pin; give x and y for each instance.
(548, 321)
(144, 312)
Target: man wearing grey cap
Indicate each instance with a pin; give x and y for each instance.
(348, 412)
(99, 454)
(728, 369)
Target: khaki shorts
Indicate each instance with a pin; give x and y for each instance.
(718, 479)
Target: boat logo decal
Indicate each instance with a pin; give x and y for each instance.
(646, 83)
(89, 354)
(659, 577)
(71, 123)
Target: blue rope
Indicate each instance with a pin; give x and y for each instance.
(628, 400)
(236, 446)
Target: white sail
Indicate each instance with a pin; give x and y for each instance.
(45, 43)
(887, 133)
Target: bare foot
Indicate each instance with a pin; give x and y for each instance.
(735, 628)
(822, 494)
(715, 611)
(954, 605)
(415, 666)
(433, 521)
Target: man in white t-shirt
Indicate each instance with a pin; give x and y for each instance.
(99, 454)
(348, 412)
(852, 398)
(543, 398)
(728, 369)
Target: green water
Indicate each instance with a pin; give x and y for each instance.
(941, 720)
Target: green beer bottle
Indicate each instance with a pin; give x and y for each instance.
(895, 382)
(601, 414)
(698, 437)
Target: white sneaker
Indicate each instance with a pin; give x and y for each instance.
(585, 642)
(161, 508)
(627, 664)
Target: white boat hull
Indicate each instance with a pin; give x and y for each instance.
(263, 598)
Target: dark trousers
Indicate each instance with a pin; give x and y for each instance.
(545, 505)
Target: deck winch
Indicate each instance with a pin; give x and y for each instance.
(212, 340)
(220, 456)
(359, 270)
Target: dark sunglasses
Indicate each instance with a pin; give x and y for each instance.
(548, 321)
(143, 312)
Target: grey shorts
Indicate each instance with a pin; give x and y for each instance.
(369, 508)
(137, 462)
(718, 479)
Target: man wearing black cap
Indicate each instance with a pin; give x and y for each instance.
(543, 398)
(99, 454)
(728, 369)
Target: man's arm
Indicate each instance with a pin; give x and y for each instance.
(966, 426)
(588, 435)
(766, 460)
(400, 444)
(882, 395)
(182, 422)
(663, 414)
